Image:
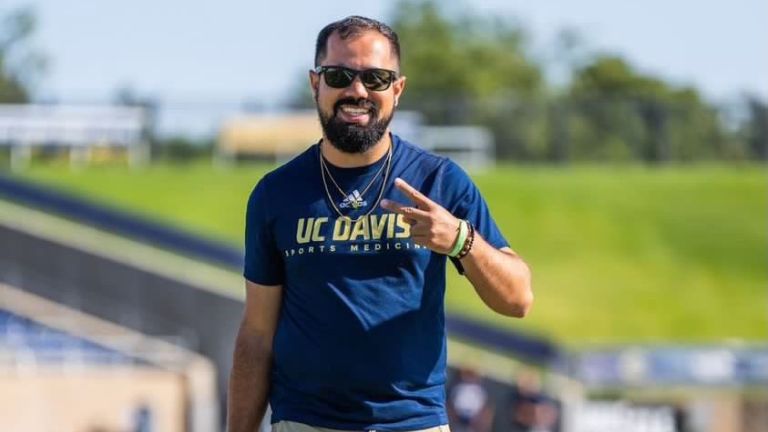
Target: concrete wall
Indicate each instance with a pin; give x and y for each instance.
(200, 320)
(89, 399)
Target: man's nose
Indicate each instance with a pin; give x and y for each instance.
(356, 89)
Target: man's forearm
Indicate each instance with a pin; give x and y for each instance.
(501, 279)
(248, 383)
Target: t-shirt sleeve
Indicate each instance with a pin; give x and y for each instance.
(263, 262)
(463, 200)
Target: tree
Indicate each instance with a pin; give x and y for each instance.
(623, 113)
(19, 65)
(470, 70)
(463, 68)
(757, 128)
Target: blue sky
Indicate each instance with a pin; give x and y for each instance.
(229, 51)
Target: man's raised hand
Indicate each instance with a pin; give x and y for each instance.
(432, 226)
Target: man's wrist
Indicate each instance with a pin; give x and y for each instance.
(461, 237)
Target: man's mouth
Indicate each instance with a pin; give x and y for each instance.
(354, 114)
(355, 111)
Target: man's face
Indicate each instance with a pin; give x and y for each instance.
(355, 118)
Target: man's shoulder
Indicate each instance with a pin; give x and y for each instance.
(425, 159)
(292, 170)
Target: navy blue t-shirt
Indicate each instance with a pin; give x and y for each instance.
(360, 342)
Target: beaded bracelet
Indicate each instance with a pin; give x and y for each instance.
(470, 240)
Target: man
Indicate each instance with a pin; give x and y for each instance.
(345, 260)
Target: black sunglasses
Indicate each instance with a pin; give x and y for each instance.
(373, 79)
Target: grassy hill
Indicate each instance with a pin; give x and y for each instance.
(619, 253)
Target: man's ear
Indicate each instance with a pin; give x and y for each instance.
(314, 82)
(398, 87)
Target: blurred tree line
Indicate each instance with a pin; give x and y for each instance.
(470, 69)
(464, 68)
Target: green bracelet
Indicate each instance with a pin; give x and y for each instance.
(460, 239)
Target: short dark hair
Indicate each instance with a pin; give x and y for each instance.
(353, 26)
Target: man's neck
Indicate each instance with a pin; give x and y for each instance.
(352, 160)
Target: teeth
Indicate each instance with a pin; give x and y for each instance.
(355, 110)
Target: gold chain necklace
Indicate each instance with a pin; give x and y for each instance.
(341, 191)
(378, 199)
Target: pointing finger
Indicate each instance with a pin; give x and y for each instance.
(407, 211)
(413, 194)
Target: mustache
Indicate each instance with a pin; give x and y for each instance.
(362, 103)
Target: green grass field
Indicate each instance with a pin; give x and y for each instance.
(619, 253)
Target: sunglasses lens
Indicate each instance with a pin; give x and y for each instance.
(372, 79)
(338, 78)
(376, 79)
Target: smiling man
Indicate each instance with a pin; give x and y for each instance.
(345, 259)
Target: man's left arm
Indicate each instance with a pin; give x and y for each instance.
(500, 277)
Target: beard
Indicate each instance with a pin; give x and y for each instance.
(353, 138)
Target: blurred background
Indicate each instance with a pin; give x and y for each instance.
(622, 149)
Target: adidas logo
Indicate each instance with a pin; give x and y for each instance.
(354, 200)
